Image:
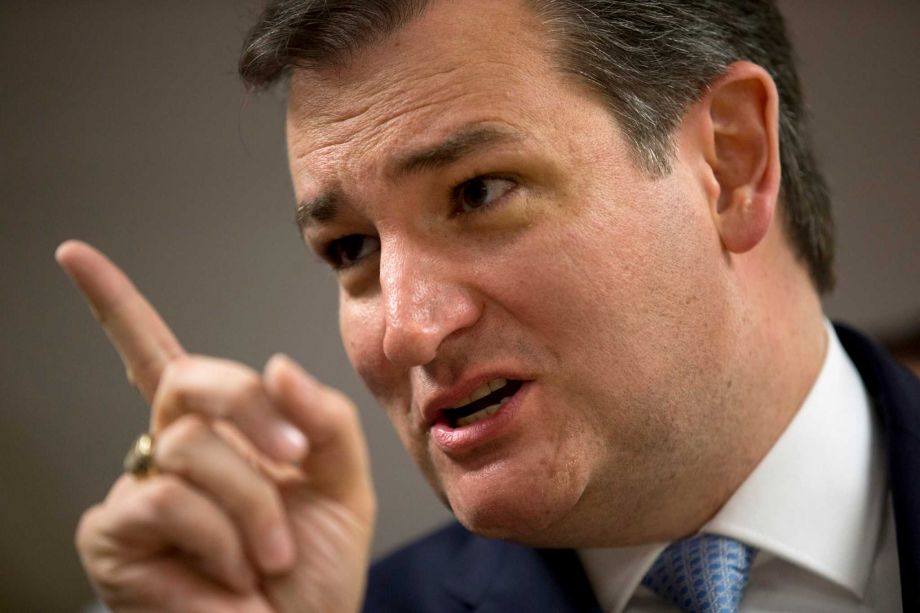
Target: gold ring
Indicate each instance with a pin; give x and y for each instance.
(139, 461)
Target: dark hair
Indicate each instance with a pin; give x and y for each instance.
(650, 59)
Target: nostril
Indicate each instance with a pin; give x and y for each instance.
(422, 308)
(410, 345)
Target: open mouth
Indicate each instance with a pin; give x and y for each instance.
(485, 401)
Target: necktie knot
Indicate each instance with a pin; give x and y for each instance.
(702, 574)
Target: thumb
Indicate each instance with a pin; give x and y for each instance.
(337, 463)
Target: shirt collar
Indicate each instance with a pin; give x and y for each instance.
(815, 500)
(615, 573)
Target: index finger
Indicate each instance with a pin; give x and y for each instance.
(142, 338)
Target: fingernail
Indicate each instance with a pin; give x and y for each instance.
(290, 443)
(277, 551)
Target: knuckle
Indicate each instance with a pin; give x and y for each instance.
(248, 392)
(107, 578)
(259, 502)
(268, 518)
(176, 442)
(86, 531)
(172, 393)
(173, 371)
(201, 384)
(256, 505)
(186, 431)
(160, 495)
(101, 566)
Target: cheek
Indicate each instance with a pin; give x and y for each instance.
(362, 330)
(615, 287)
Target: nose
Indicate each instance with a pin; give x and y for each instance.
(424, 303)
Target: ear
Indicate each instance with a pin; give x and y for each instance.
(741, 146)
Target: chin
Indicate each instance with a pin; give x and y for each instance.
(530, 515)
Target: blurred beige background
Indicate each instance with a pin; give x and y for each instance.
(122, 123)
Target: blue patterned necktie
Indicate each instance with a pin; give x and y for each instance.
(702, 574)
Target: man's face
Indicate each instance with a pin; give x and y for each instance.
(489, 225)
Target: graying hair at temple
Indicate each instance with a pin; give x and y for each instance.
(649, 59)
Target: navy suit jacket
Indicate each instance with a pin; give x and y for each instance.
(454, 570)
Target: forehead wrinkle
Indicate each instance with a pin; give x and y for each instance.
(345, 103)
(378, 136)
(371, 91)
(379, 117)
(331, 98)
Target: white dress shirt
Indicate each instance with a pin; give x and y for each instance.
(816, 508)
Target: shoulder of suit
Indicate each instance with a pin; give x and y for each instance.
(412, 578)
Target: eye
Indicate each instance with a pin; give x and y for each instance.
(349, 250)
(480, 192)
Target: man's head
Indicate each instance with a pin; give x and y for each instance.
(492, 220)
(649, 59)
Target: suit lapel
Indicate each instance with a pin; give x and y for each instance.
(496, 577)
(896, 396)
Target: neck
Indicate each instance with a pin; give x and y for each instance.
(778, 345)
(782, 344)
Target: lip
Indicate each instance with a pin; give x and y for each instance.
(455, 441)
(433, 409)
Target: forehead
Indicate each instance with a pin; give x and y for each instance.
(456, 64)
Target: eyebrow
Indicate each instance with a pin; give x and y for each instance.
(465, 142)
(322, 208)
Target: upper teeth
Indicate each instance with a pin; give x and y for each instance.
(483, 390)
